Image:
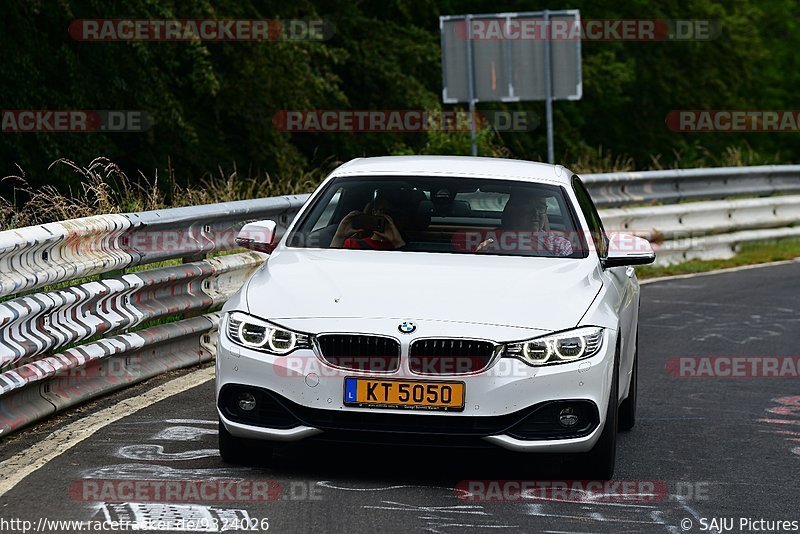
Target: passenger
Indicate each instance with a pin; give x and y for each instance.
(525, 215)
(389, 239)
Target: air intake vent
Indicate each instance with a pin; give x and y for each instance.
(450, 356)
(360, 352)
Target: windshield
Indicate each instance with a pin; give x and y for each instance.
(449, 215)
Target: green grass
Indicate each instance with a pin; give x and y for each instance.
(749, 254)
(155, 265)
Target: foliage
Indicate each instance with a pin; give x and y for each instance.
(213, 102)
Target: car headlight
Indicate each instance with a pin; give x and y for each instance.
(558, 348)
(257, 334)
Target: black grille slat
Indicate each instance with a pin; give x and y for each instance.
(360, 352)
(450, 356)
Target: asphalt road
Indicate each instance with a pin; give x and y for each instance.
(719, 447)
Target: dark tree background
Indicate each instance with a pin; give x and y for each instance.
(213, 103)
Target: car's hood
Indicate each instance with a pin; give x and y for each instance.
(539, 293)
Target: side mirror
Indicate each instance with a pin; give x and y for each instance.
(260, 236)
(626, 249)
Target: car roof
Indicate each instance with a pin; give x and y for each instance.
(497, 168)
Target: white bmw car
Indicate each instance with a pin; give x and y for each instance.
(436, 300)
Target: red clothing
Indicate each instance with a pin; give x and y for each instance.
(367, 244)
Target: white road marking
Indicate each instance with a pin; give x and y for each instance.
(628, 514)
(183, 433)
(618, 504)
(156, 453)
(435, 526)
(26, 462)
(694, 513)
(191, 421)
(595, 517)
(174, 517)
(590, 498)
(163, 472)
(328, 484)
(399, 506)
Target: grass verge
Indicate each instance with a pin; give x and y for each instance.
(749, 254)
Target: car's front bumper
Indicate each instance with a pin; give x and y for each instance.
(499, 401)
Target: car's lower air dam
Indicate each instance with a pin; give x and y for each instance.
(254, 406)
(558, 420)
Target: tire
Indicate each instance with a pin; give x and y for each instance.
(242, 451)
(598, 464)
(627, 410)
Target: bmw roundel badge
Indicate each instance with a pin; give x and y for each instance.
(407, 327)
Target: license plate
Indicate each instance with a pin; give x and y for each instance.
(411, 394)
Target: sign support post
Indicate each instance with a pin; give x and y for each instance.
(548, 84)
(471, 89)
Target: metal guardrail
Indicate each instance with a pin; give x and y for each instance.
(38, 256)
(40, 323)
(678, 185)
(674, 221)
(718, 246)
(41, 388)
(707, 230)
(66, 345)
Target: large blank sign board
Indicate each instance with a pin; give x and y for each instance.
(508, 53)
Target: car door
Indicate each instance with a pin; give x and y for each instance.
(623, 281)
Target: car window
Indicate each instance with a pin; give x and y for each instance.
(435, 214)
(592, 217)
(330, 209)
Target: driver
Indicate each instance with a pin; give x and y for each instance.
(525, 216)
(389, 239)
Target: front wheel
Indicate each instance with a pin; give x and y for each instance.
(598, 463)
(243, 451)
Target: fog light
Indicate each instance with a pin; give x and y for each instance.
(247, 402)
(567, 417)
